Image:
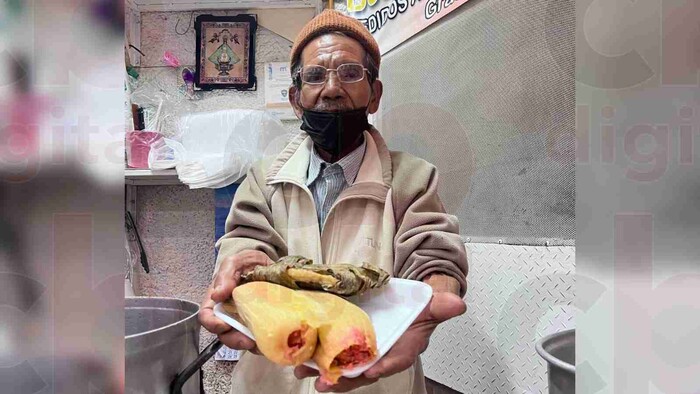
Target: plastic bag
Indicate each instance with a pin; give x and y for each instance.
(165, 153)
(219, 147)
(162, 104)
(162, 101)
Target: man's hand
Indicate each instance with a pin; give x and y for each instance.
(222, 286)
(403, 354)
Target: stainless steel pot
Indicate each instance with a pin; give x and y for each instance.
(162, 345)
(559, 352)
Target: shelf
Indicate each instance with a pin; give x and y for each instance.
(145, 177)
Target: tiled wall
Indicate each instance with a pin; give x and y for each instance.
(176, 226)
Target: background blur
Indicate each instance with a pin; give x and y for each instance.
(61, 170)
(637, 189)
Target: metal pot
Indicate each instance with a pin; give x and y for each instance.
(162, 345)
(559, 352)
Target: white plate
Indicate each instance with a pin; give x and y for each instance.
(391, 309)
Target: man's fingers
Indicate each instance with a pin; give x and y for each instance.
(236, 340)
(222, 292)
(226, 279)
(402, 355)
(252, 258)
(255, 350)
(212, 323)
(230, 272)
(302, 371)
(445, 306)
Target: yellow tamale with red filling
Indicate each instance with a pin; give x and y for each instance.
(346, 337)
(281, 320)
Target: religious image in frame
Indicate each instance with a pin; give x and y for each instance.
(225, 52)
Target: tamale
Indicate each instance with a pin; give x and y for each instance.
(281, 320)
(346, 337)
(296, 272)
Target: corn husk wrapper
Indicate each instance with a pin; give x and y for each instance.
(296, 272)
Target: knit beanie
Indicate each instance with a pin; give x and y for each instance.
(330, 21)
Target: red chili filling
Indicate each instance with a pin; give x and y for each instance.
(352, 356)
(295, 341)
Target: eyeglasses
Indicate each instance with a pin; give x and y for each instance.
(347, 73)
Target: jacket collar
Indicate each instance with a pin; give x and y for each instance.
(292, 164)
(350, 164)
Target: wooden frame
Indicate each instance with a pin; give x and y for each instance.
(226, 52)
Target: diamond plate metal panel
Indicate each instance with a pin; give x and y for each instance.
(516, 295)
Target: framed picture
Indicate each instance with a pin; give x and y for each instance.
(225, 52)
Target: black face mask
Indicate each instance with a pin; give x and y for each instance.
(334, 131)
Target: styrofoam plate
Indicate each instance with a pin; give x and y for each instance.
(391, 309)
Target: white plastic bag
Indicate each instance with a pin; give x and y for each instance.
(219, 147)
(165, 153)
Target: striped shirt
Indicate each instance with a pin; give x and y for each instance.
(327, 180)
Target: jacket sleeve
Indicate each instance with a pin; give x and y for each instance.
(249, 225)
(427, 238)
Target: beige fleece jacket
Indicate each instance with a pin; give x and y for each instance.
(391, 216)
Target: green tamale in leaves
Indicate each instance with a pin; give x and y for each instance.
(296, 272)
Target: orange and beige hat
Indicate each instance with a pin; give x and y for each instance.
(334, 21)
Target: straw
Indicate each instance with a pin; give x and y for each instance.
(157, 118)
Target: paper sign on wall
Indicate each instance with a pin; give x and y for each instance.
(277, 82)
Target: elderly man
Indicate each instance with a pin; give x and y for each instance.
(337, 194)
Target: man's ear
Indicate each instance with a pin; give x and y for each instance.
(294, 98)
(377, 89)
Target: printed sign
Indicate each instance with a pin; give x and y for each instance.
(227, 354)
(392, 22)
(277, 82)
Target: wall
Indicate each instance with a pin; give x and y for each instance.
(168, 31)
(487, 94)
(177, 224)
